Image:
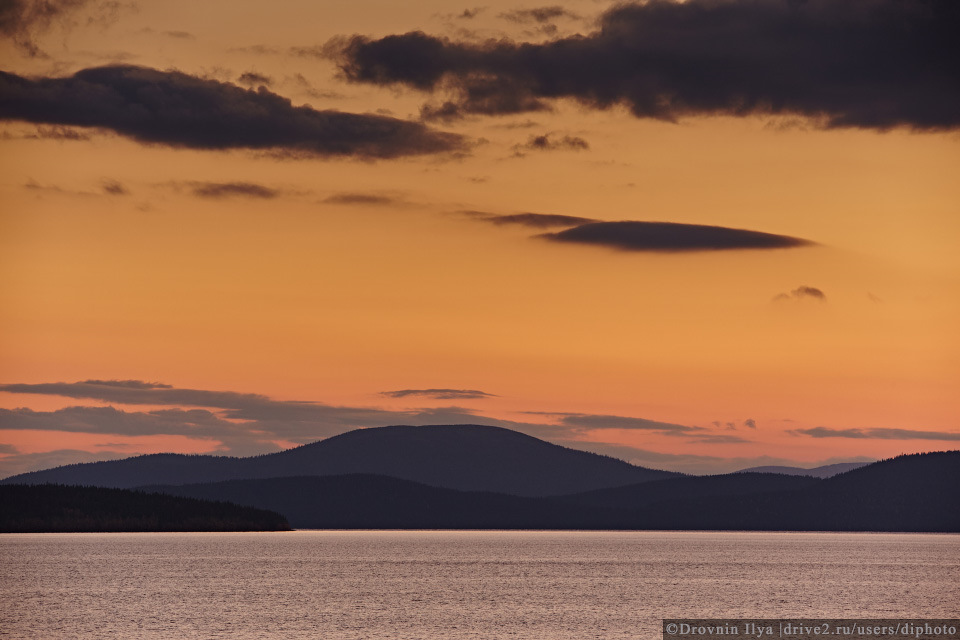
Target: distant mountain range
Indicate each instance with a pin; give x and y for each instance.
(479, 477)
(826, 471)
(910, 493)
(362, 501)
(463, 457)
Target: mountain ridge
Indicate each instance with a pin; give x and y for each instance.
(51, 508)
(823, 471)
(463, 457)
(919, 493)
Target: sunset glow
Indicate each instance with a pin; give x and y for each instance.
(172, 284)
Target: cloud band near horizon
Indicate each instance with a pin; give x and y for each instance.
(879, 434)
(248, 422)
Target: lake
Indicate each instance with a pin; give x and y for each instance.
(420, 585)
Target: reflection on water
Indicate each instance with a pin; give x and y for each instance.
(437, 585)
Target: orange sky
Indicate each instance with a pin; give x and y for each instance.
(345, 278)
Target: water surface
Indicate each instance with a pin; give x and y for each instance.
(423, 585)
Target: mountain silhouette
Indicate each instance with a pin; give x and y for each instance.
(463, 457)
(364, 501)
(58, 508)
(918, 492)
(637, 496)
(909, 493)
(377, 502)
(825, 471)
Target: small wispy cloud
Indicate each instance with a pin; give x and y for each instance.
(802, 292)
(439, 394)
(533, 220)
(361, 198)
(113, 187)
(254, 79)
(58, 132)
(539, 14)
(546, 143)
(604, 421)
(179, 35)
(219, 190)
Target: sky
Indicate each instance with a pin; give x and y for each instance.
(698, 236)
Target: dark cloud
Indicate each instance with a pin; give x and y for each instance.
(113, 188)
(21, 20)
(750, 422)
(671, 237)
(872, 64)
(179, 110)
(444, 112)
(470, 14)
(878, 434)
(253, 79)
(545, 143)
(21, 14)
(439, 394)
(218, 190)
(801, 293)
(361, 198)
(534, 220)
(539, 15)
(7, 449)
(486, 96)
(180, 35)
